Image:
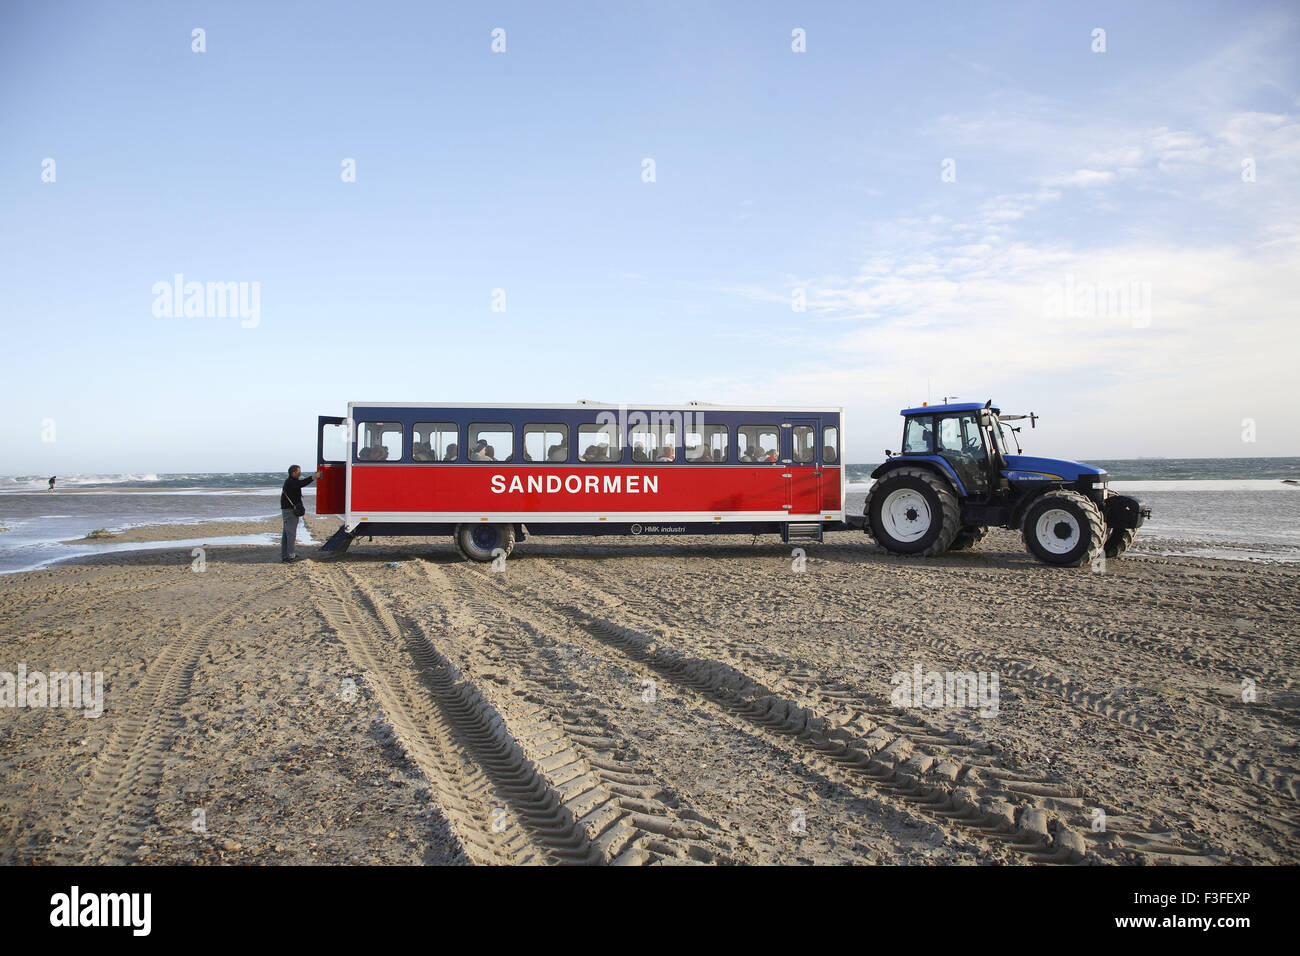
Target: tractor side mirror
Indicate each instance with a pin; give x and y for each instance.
(888, 453)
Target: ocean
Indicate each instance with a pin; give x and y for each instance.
(1235, 508)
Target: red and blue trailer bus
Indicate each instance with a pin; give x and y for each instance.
(491, 475)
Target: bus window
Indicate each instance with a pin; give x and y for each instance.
(379, 441)
(334, 442)
(544, 443)
(830, 445)
(644, 445)
(653, 442)
(759, 443)
(706, 443)
(599, 443)
(491, 441)
(802, 438)
(434, 441)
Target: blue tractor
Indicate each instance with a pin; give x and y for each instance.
(955, 478)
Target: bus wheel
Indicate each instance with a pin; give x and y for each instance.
(1063, 528)
(482, 542)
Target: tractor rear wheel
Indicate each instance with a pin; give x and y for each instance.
(912, 511)
(479, 542)
(968, 537)
(1119, 540)
(1063, 528)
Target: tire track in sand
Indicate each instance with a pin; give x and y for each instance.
(40, 605)
(1047, 684)
(954, 783)
(618, 806)
(496, 801)
(1278, 779)
(118, 801)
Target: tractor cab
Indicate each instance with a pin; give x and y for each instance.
(962, 440)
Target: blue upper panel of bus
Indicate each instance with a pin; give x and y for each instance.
(945, 409)
(699, 415)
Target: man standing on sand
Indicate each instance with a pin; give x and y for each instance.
(291, 509)
(53, 478)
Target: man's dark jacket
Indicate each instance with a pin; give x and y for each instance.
(291, 494)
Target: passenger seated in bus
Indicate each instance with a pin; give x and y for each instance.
(480, 452)
(669, 453)
(828, 454)
(639, 452)
(452, 452)
(491, 453)
(423, 452)
(558, 453)
(770, 457)
(592, 454)
(719, 455)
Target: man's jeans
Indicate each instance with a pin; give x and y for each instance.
(290, 536)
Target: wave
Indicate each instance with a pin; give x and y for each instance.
(192, 481)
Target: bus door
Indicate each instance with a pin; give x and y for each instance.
(332, 436)
(802, 459)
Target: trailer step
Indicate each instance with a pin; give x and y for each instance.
(802, 531)
(339, 542)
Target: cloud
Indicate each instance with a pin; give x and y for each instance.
(1083, 177)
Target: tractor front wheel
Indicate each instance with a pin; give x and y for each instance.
(913, 511)
(968, 537)
(1063, 528)
(1119, 540)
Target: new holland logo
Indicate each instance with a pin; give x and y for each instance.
(576, 484)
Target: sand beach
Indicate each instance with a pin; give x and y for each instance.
(637, 701)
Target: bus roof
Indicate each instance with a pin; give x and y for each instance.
(575, 406)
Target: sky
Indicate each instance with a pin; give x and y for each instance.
(857, 205)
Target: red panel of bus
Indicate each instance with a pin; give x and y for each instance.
(473, 488)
